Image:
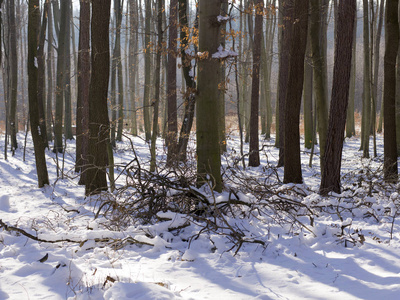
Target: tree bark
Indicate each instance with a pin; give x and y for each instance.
(317, 33)
(298, 43)
(172, 117)
(350, 124)
(208, 147)
(118, 11)
(99, 125)
(188, 74)
(14, 76)
(366, 114)
(147, 69)
(287, 11)
(60, 81)
(41, 73)
(133, 61)
(330, 180)
(308, 94)
(37, 135)
(82, 111)
(67, 77)
(50, 60)
(392, 46)
(157, 74)
(254, 156)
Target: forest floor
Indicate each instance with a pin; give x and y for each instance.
(339, 247)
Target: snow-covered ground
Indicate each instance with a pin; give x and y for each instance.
(351, 250)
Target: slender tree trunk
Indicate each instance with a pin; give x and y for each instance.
(157, 73)
(172, 119)
(50, 90)
(189, 75)
(133, 61)
(270, 52)
(292, 171)
(350, 123)
(238, 71)
(317, 32)
(14, 76)
(223, 85)
(376, 63)
(248, 71)
(392, 46)
(37, 136)
(82, 111)
(67, 76)
(208, 147)
(56, 14)
(99, 131)
(118, 57)
(278, 131)
(366, 116)
(147, 70)
(1, 25)
(254, 156)
(330, 180)
(287, 11)
(308, 99)
(60, 84)
(41, 74)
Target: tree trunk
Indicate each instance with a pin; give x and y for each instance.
(208, 147)
(14, 76)
(270, 36)
(308, 99)
(82, 111)
(318, 32)
(254, 156)
(118, 12)
(1, 34)
(67, 76)
(172, 117)
(366, 115)
(298, 43)
(392, 46)
(133, 61)
(99, 130)
(50, 60)
(113, 85)
(37, 136)
(157, 74)
(188, 74)
(287, 12)
(147, 70)
(330, 180)
(376, 63)
(223, 85)
(60, 84)
(41, 74)
(350, 124)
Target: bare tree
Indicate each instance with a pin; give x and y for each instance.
(392, 45)
(99, 131)
(292, 171)
(254, 156)
(208, 146)
(82, 110)
(37, 136)
(330, 180)
(172, 119)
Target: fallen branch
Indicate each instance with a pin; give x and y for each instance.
(117, 243)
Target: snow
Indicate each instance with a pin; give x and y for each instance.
(223, 53)
(223, 18)
(354, 256)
